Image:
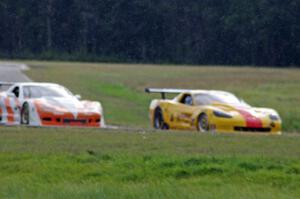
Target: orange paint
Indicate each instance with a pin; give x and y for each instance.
(67, 118)
(10, 112)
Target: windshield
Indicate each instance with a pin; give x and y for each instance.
(45, 91)
(224, 98)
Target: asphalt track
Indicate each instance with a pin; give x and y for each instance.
(13, 72)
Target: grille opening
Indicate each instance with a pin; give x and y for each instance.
(58, 120)
(97, 120)
(250, 129)
(69, 121)
(47, 119)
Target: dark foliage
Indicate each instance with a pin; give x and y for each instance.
(233, 32)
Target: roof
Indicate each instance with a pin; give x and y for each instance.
(209, 92)
(35, 84)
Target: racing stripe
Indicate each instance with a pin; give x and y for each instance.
(4, 112)
(14, 104)
(10, 111)
(251, 121)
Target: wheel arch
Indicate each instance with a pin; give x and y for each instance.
(25, 104)
(34, 116)
(204, 110)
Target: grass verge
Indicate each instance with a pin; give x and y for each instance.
(92, 163)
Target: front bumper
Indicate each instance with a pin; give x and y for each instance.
(223, 125)
(69, 120)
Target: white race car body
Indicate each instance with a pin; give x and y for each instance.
(47, 104)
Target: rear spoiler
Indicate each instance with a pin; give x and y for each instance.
(6, 84)
(164, 91)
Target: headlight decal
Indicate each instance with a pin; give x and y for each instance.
(221, 114)
(274, 117)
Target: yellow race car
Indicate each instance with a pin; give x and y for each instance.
(208, 110)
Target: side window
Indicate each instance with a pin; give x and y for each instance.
(35, 92)
(26, 92)
(203, 99)
(187, 100)
(16, 91)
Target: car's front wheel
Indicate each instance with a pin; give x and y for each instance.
(25, 114)
(203, 123)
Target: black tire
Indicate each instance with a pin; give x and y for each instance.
(203, 123)
(25, 114)
(158, 122)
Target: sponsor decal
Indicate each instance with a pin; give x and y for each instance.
(183, 117)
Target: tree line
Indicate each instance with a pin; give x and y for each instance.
(227, 32)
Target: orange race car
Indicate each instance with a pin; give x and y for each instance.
(47, 104)
(207, 110)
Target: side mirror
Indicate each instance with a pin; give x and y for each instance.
(78, 97)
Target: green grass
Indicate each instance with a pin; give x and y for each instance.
(112, 164)
(92, 163)
(120, 87)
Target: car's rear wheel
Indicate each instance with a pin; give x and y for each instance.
(158, 122)
(25, 114)
(203, 123)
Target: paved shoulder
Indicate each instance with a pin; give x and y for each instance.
(13, 72)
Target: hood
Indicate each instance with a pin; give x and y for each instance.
(63, 105)
(244, 110)
(252, 116)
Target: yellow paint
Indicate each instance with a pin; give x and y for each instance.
(181, 116)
